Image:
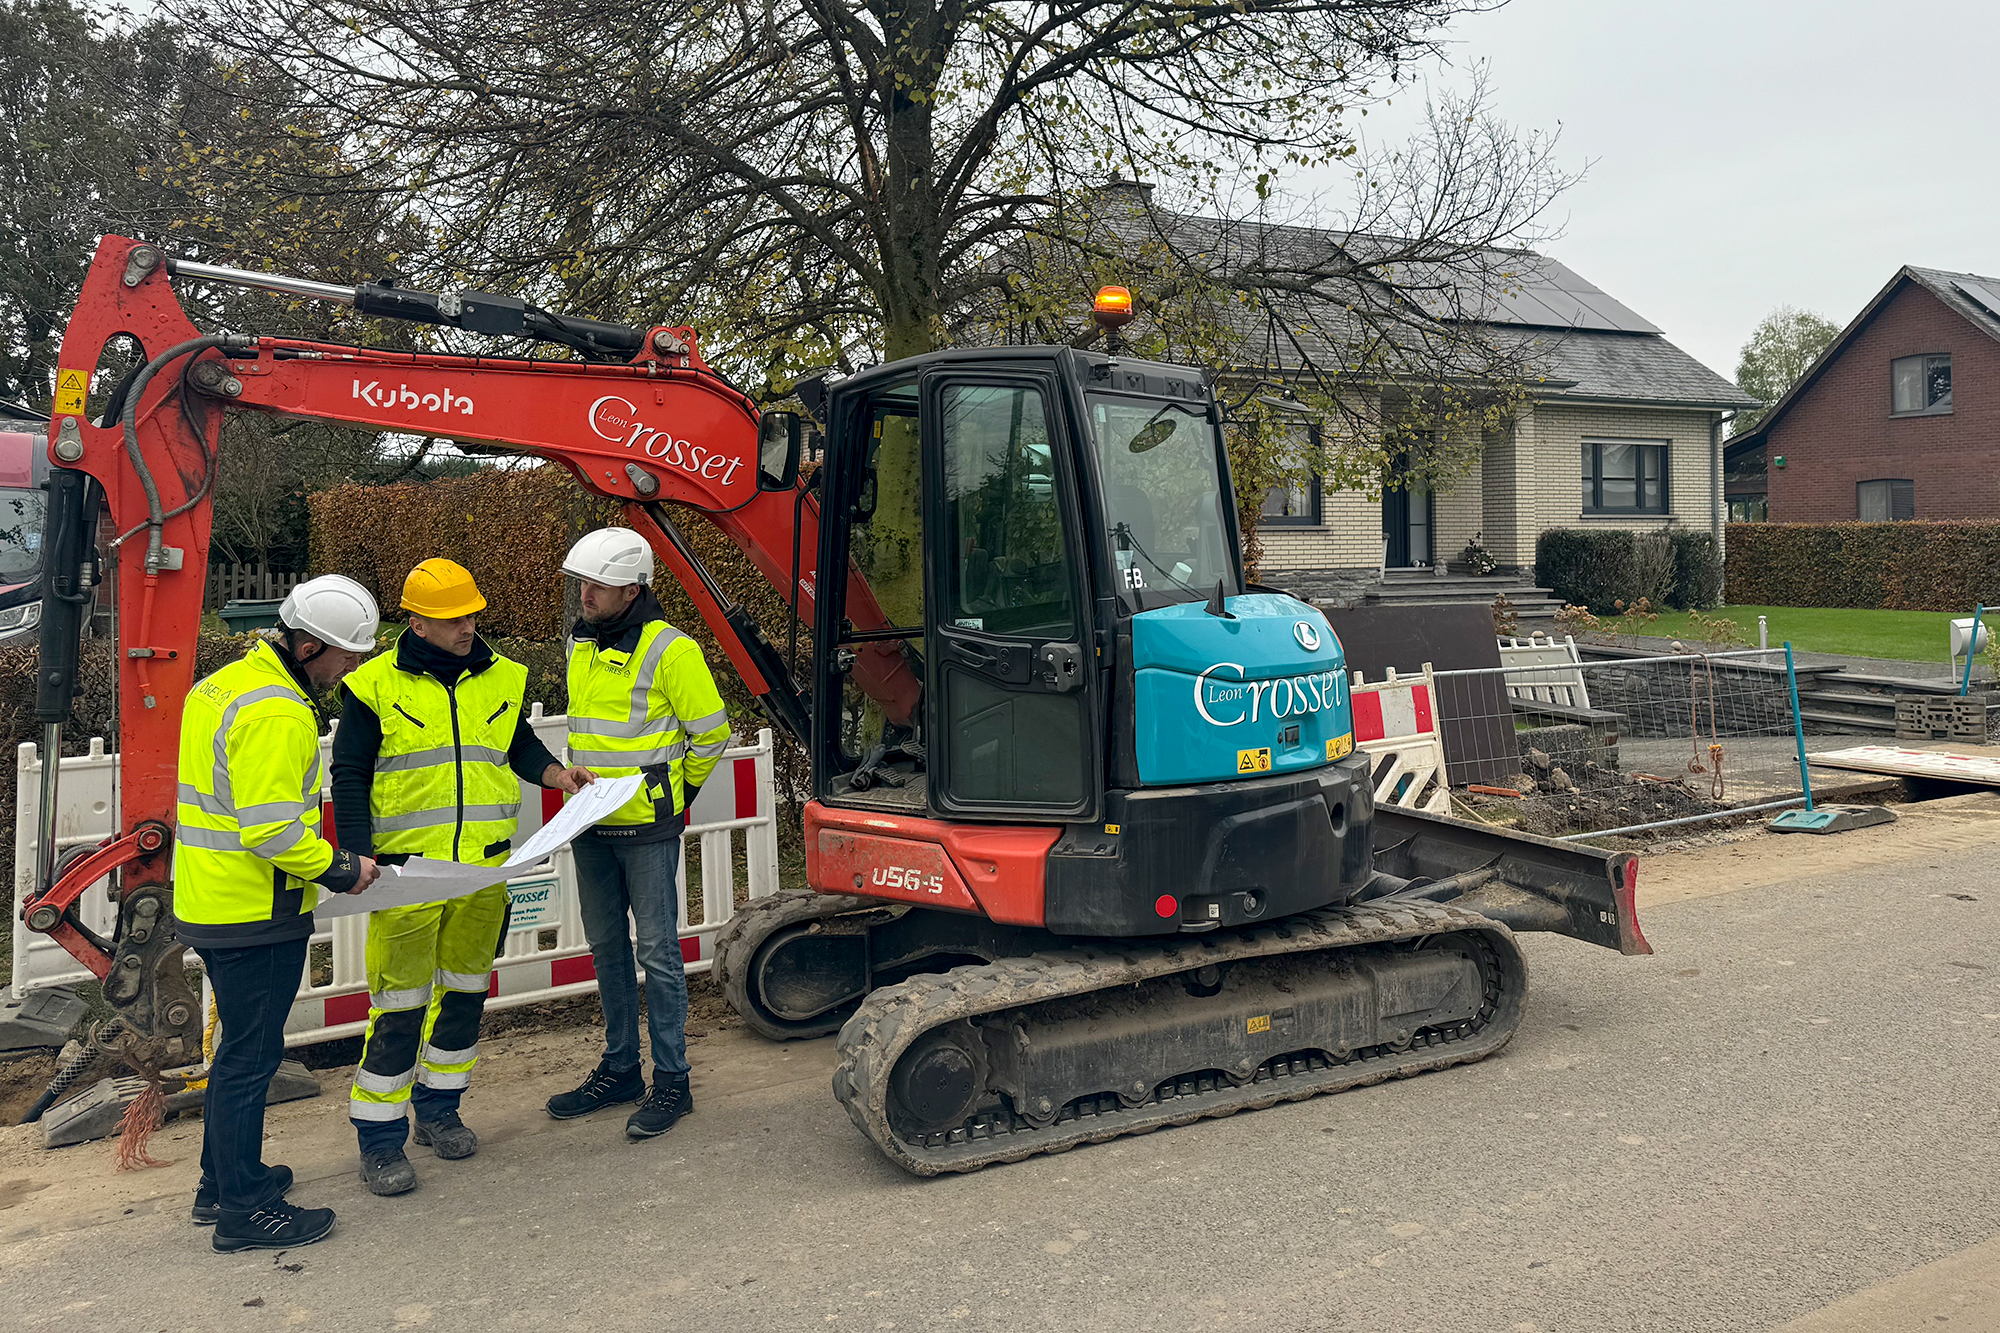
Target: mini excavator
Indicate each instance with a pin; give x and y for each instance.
(1090, 849)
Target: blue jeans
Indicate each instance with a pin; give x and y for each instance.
(626, 889)
(253, 995)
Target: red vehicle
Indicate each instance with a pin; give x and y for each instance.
(24, 471)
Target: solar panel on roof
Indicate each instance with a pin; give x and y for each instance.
(1980, 295)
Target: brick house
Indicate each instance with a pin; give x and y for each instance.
(1899, 418)
(1619, 429)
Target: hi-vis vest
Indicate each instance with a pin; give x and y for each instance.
(442, 787)
(625, 716)
(247, 836)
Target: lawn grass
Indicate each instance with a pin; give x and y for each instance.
(1906, 636)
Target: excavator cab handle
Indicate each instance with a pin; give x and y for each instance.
(778, 445)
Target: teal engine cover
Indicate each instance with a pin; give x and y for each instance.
(1216, 698)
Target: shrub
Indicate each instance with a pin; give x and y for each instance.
(511, 528)
(1697, 584)
(1598, 569)
(1908, 566)
(1588, 569)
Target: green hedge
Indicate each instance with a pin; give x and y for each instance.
(1905, 566)
(1601, 568)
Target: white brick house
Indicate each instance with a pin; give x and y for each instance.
(1621, 430)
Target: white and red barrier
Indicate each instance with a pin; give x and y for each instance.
(545, 955)
(1396, 722)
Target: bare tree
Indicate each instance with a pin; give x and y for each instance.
(828, 179)
(1354, 342)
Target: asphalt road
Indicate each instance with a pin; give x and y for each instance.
(1787, 1114)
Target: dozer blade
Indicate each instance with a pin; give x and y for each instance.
(954, 1071)
(1524, 881)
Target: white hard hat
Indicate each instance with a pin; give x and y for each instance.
(335, 610)
(614, 557)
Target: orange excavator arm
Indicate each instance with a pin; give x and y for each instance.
(660, 430)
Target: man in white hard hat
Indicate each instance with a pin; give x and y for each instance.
(248, 866)
(641, 700)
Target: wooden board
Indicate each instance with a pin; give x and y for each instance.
(1475, 713)
(1977, 770)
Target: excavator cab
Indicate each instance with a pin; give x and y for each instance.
(1048, 543)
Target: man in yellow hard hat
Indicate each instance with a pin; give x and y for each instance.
(432, 735)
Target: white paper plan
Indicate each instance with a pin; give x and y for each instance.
(423, 880)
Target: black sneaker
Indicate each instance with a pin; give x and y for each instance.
(207, 1209)
(387, 1172)
(447, 1136)
(665, 1105)
(276, 1226)
(605, 1087)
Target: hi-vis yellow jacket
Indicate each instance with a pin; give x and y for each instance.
(248, 840)
(647, 703)
(442, 786)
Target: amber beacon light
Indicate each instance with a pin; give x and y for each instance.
(1113, 308)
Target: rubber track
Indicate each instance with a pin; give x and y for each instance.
(753, 923)
(892, 1018)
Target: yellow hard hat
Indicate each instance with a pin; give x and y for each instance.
(441, 590)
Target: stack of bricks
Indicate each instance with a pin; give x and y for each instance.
(1923, 718)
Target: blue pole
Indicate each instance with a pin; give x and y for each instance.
(1965, 686)
(1798, 724)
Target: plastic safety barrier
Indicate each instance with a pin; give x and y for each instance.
(545, 955)
(1395, 721)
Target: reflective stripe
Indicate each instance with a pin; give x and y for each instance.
(368, 1082)
(476, 982)
(210, 839)
(446, 815)
(433, 1078)
(433, 1056)
(627, 758)
(314, 783)
(642, 679)
(209, 805)
(701, 726)
(223, 791)
(629, 730)
(286, 838)
(272, 812)
(708, 749)
(442, 754)
(416, 997)
(358, 1109)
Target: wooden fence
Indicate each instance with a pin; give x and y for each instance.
(248, 583)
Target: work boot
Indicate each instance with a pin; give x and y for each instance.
(605, 1087)
(208, 1204)
(277, 1225)
(447, 1136)
(666, 1104)
(386, 1171)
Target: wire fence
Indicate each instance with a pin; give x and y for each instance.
(1568, 748)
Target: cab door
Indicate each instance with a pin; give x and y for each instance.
(1012, 714)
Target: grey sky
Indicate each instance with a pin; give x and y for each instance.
(1752, 153)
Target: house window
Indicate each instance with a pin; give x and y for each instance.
(1624, 477)
(1920, 385)
(1296, 503)
(1887, 501)
(1748, 509)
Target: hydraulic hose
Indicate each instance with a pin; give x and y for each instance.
(72, 1068)
(156, 516)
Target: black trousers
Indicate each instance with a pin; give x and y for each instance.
(253, 988)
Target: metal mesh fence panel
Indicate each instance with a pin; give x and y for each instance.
(1568, 748)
